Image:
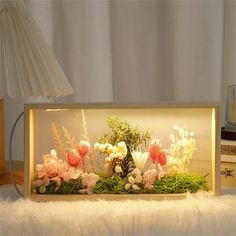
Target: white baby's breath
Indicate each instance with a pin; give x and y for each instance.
(181, 149)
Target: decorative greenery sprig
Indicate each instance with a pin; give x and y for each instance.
(133, 137)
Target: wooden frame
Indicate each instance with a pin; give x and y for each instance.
(2, 160)
(29, 149)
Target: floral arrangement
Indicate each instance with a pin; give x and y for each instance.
(57, 171)
(113, 156)
(127, 169)
(181, 150)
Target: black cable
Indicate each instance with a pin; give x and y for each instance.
(10, 155)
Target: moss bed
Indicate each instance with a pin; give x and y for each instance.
(177, 183)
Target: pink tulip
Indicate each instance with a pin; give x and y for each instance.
(83, 148)
(156, 153)
(73, 158)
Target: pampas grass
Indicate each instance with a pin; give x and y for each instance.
(200, 215)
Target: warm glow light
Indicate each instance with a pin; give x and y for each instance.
(213, 148)
(31, 146)
(183, 144)
(50, 110)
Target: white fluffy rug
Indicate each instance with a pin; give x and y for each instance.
(201, 215)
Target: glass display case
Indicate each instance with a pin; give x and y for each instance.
(115, 151)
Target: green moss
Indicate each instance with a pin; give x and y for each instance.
(180, 183)
(70, 187)
(114, 184)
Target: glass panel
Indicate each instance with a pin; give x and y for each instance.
(177, 143)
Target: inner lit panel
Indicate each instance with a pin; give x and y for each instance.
(160, 122)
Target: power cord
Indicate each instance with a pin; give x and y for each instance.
(10, 155)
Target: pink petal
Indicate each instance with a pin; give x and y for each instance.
(42, 189)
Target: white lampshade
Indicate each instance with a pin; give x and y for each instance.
(27, 65)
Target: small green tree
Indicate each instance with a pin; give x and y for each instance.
(133, 137)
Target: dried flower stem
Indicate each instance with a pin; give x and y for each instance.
(57, 140)
(70, 140)
(111, 167)
(91, 161)
(85, 135)
(83, 164)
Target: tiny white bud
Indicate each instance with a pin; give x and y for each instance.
(53, 153)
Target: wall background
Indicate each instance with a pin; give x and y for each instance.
(136, 51)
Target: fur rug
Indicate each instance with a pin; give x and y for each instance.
(200, 215)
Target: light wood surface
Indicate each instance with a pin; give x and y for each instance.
(110, 197)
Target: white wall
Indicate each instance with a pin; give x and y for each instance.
(126, 51)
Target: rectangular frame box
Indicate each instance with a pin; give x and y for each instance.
(201, 118)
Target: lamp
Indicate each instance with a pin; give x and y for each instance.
(27, 65)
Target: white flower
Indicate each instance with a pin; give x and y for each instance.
(120, 155)
(138, 179)
(186, 133)
(102, 147)
(89, 180)
(176, 127)
(131, 184)
(97, 146)
(181, 149)
(112, 156)
(39, 168)
(84, 143)
(53, 153)
(111, 149)
(136, 171)
(136, 174)
(172, 138)
(118, 169)
(140, 159)
(121, 148)
(121, 144)
(74, 173)
(181, 133)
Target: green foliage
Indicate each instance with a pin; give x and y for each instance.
(71, 187)
(133, 137)
(113, 184)
(123, 131)
(181, 183)
(178, 183)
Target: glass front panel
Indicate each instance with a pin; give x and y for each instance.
(122, 151)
